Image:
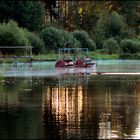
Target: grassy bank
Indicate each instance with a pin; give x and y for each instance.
(54, 56)
(98, 56)
(93, 55)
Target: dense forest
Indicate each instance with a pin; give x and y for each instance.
(106, 27)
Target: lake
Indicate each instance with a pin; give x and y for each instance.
(43, 102)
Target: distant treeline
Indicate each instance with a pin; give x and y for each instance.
(107, 27)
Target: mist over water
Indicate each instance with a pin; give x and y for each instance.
(48, 68)
(43, 102)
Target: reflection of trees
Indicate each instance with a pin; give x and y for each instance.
(68, 106)
(117, 99)
(20, 105)
(9, 89)
(103, 107)
(62, 105)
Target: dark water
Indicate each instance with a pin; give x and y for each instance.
(69, 105)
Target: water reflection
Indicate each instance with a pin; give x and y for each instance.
(62, 104)
(87, 107)
(70, 106)
(20, 109)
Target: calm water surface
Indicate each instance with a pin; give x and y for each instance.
(45, 103)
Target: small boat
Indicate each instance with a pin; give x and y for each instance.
(65, 63)
(73, 57)
(87, 62)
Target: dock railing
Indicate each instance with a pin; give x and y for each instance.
(15, 57)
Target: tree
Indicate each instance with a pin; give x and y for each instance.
(116, 26)
(56, 38)
(130, 10)
(51, 5)
(84, 39)
(35, 41)
(28, 14)
(110, 25)
(12, 35)
(100, 29)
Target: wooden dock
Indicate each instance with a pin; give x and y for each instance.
(15, 57)
(18, 57)
(115, 73)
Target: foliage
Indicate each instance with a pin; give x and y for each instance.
(92, 54)
(116, 26)
(102, 20)
(84, 39)
(51, 56)
(84, 15)
(135, 56)
(51, 5)
(110, 25)
(100, 29)
(57, 38)
(130, 46)
(79, 15)
(100, 56)
(28, 14)
(130, 11)
(12, 35)
(35, 41)
(111, 46)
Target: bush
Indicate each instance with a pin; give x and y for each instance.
(36, 42)
(130, 46)
(111, 46)
(130, 56)
(57, 38)
(84, 39)
(12, 35)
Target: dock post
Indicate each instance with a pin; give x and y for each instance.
(30, 62)
(31, 59)
(15, 61)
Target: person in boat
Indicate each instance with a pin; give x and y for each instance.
(87, 58)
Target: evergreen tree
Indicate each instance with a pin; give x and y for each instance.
(116, 26)
(28, 14)
(130, 9)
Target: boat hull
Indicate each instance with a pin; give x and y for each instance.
(65, 63)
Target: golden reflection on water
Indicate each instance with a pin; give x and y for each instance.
(65, 101)
(82, 108)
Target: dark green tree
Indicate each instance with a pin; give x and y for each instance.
(12, 35)
(100, 29)
(116, 26)
(84, 39)
(28, 13)
(56, 38)
(35, 41)
(130, 10)
(110, 25)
